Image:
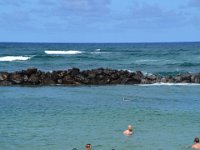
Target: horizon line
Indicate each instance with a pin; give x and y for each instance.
(37, 42)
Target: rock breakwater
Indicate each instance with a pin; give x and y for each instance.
(100, 76)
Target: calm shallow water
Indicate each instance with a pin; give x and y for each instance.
(61, 118)
(49, 118)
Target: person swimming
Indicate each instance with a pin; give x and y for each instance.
(129, 131)
(88, 147)
(196, 144)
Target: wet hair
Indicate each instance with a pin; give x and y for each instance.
(130, 130)
(196, 140)
(74, 149)
(88, 146)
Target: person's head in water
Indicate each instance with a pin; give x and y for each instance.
(196, 144)
(88, 147)
(130, 128)
(128, 131)
(196, 140)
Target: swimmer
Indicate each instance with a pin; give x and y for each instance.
(196, 144)
(88, 147)
(129, 131)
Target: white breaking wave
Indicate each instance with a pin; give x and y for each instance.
(131, 71)
(15, 58)
(147, 73)
(170, 84)
(98, 49)
(70, 52)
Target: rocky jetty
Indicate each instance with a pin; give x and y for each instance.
(100, 76)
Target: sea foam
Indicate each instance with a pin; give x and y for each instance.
(170, 84)
(70, 52)
(14, 58)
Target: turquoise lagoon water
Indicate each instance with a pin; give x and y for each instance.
(63, 118)
(165, 117)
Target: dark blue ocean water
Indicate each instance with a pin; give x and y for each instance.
(165, 117)
(159, 58)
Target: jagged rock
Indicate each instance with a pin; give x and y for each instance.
(93, 82)
(144, 81)
(16, 78)
(61, 74)
(195, 78)
(54, 76)
(3, 76)
(108, 71)
(42, 77)
(117, 81)
(5, 83)
(100, 76)
(85, 73)
(134, 81)
(59, 81)
(30, 71)
(125, 80)
(135, 78)
(74, 71)
(91, 75)
(139, 74)
(178, 78)
(81, 79)
(68, 80)
(171, 80)
(114, 76)
(151, 77)
(163, 80)
(33, 79)
(25, 78)
(48, 81)
(186, 78)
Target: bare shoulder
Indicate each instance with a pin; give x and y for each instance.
(125, 132)
(196, 146)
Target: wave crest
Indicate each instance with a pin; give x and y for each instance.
(15, 58)
(70, 52)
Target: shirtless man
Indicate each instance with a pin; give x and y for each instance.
(129, 131)
(196, 144)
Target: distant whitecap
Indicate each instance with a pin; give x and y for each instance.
(146, 60)
(70, 52)
(97, 52)
(14, 58)
(126, 99)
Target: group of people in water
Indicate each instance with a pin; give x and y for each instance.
(129, 132)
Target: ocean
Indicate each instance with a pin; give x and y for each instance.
(164, 116)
